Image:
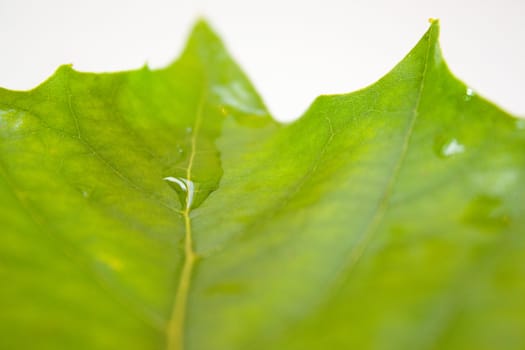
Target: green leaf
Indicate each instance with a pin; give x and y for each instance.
(166, 209)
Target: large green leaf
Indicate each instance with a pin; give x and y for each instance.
(167, 209)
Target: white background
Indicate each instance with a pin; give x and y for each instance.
(292, 50)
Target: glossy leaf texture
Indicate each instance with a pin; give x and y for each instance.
(166, 209)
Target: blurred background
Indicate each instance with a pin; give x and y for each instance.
(292, 50)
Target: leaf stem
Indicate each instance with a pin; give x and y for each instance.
(178, 315)
(176, 324)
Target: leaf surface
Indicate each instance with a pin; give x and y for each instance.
(166, 209)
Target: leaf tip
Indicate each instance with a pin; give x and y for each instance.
(64, 68)
(433, 21)
(433, 31)
(202, 27)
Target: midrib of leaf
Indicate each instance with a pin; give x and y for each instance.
(176, 324)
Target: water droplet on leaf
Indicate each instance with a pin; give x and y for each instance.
(185, 189)
(468, 94)
(448, 147)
